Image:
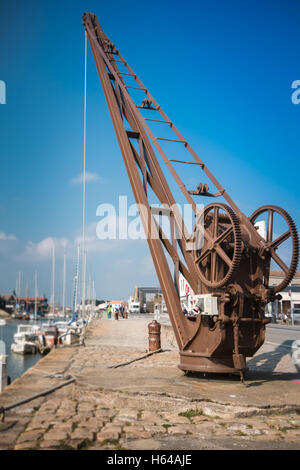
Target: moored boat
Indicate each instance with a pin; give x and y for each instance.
(25, 340)
(24, 347)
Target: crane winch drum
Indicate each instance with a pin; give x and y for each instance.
(229, 272)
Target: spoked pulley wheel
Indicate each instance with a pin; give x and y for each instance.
(218, 256)
(273, 242)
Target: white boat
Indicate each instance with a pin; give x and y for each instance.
(25, 340)
(49, 333)
(71, 333)
(24, 347)
(62, 326)
(70, 337)
(30, 331)
(3, 361)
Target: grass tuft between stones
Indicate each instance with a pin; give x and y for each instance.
(191, 413)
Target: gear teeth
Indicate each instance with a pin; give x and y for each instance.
(237, 255)
(295, 239)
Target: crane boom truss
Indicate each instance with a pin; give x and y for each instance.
(242, 267)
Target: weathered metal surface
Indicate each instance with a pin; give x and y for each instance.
(234, 262)
(154, 336)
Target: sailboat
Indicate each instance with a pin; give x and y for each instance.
(26, 337)
(72, 330)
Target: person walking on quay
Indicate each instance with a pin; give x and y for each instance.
(121, 310)
(109, 311)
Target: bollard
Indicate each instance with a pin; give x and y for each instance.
(154, 336)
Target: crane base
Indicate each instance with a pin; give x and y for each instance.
(195, 362)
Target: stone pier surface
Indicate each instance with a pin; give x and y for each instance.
(150, 403)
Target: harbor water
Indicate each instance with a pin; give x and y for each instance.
(17, 364)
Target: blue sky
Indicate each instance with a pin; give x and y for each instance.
(221, 70)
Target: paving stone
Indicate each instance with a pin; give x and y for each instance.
(109, 433)
(49, 444)
(48, 408)
(43, 416)
(19, 421)
(125, 422)
(279, 424)
(295, 422)
(128, 413)
(29, 436)
(104, 413)
(83, 433)
(226, 412)
(112, 409)
(78, 419)
(84, 415)
(106, 446)
(244, 429)
(56, 435)
(35, 427)
(26, 445)
(76, 443)
(206, 427)
(149, 417)
(154, 429)
(175, 419)
(199, 419)
(65, 412)
(89, 427)
(8, 437)
(62, 427)
(136, 432)
(95, 422)
(181, 429)
(294, 434)
(86, 405)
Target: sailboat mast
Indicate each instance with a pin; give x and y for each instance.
(19, 289)
(64, 286)
(35, 294)
(83, 184)
(53, 277)
(76, 281)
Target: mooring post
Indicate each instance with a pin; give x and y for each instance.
(154, 336)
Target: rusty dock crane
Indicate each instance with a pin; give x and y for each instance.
(223, 258)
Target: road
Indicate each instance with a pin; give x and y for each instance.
(282, 335)
(276, 334)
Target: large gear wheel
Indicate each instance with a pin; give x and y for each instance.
(218, 259)
(273, 244)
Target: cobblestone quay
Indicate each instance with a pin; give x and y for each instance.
(150, 404)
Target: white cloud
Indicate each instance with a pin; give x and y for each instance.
(115, 265)
(43, 249)
(3, 236)
(92, 243)
(89, 177)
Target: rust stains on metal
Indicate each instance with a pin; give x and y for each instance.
(154, 336)
(233, 263)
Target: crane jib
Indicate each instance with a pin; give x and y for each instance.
(225, 259)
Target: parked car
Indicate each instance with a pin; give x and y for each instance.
(296, 315)
(134, 307)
